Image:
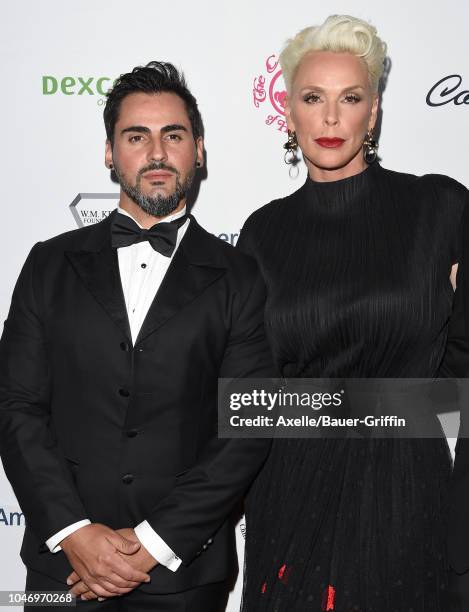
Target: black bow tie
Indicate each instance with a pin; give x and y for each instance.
(162, 236)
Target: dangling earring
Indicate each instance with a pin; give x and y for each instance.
(291, 153)
(370, 147)
(291, 149)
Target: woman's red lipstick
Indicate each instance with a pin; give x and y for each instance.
(330, 143)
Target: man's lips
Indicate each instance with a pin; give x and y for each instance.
(330, 143)
(157, 175)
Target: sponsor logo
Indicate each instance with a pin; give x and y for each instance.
(448, 90)
(228, 237)
(11, 517)
(77, 86)
(269, 93)
(89, 208)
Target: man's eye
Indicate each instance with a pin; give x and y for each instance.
(174, 137)
(353, 98)
(311, 98)
(135, 138)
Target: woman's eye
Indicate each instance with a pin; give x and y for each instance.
(353, 98)
(311, 98)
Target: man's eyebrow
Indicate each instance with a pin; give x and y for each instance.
(136, 128)
(141, 129)
(172, 128)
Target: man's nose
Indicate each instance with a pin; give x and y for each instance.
(157, 150)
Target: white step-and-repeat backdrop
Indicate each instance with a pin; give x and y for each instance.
(59, 58)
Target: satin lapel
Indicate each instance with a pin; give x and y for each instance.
(187, 277)
(99, 272)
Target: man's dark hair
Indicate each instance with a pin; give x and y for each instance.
(155, 77)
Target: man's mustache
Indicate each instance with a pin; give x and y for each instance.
(157, 166)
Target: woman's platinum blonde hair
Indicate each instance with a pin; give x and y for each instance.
(341, 34)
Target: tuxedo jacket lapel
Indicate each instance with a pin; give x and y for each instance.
(97, 266)
(193, 269)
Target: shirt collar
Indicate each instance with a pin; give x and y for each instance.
(167, 219)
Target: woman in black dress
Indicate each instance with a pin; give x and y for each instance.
(358, 264)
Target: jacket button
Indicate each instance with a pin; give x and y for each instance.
(124, 392)
(209, 541)
(125, 346)
(131, 433)
(127, 478)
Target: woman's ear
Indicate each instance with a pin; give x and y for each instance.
(288, 115)
(374, 112)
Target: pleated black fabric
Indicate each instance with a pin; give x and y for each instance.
(357, 272)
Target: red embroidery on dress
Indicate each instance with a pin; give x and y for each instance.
(264, 588)
(284, 573)
(329, 599)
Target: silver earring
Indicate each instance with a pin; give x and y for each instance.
(370, 147)
(291, 149)
(291, 155)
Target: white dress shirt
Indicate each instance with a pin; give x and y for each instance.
(142, 270)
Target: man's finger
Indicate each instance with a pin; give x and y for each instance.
(126, 571)
(123, 545)
(74, 577)
(112, 588)
(100, 591)
(79, 588)
(117, 581)
(88, 595)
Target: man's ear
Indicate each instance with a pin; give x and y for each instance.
(199, 145)
(108, 154)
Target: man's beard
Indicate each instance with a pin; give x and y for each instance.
(159, 205)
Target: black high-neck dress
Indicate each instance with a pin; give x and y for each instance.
(357, 272)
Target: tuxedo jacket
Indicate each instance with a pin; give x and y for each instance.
(95, 427)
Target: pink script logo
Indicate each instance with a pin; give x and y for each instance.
(272, 86)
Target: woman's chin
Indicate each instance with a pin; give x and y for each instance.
(334, 160)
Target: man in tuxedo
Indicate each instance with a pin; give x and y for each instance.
(109, 361)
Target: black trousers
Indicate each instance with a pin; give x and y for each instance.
(206, 598)
(458, 592)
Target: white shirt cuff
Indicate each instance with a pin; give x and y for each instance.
(53, 542)
(156, 546)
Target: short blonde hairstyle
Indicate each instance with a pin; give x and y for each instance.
(341, 34)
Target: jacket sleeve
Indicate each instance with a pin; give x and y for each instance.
(205, 496)
(31, 457)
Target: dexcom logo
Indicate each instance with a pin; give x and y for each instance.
(11, 517)
(76, 86)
